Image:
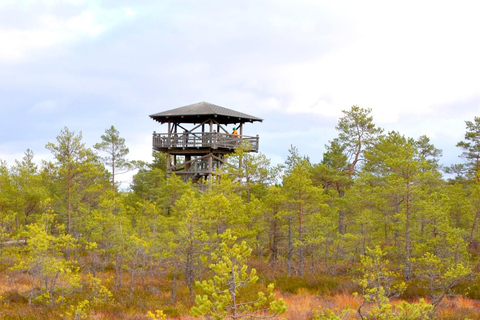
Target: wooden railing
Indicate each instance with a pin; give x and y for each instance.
(193, 140)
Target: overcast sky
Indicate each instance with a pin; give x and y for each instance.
(88, 65)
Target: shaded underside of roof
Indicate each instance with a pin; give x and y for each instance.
(202, 111)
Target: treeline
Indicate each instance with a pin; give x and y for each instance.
(64, 223)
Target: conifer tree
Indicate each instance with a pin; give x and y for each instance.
(116, 150)
(253, 171)
(30, 189)
(303, 199)
(393, 168)
(52, 276)
(470, 169)
(356, 134)
(222, 295)
(75, 170)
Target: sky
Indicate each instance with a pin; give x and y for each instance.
(87, 65)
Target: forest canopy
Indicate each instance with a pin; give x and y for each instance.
(376, 215)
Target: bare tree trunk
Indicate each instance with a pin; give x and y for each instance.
(290, 248)
(408, 263)
(132, 280)
(327, 248)
(342, 225)
(233, 293)
(301, 253)
(189, 276)
(274, 243)
(474, 225)
(173, 291)
(118, 273)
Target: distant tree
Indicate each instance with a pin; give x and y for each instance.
(7, 199)
(356, 134)
(274, 213)
(190, 236)
(150, 181)
(170, 192)
(30, 189)
(114, 146)
(428, 152)
(393, 167)
(331, 173)
(470, 169)
(473, 214)
(303, 198)
(74, 174)
(292, 158)
(468, 174)
(254, 171)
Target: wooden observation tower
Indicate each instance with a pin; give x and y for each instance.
(197, 138)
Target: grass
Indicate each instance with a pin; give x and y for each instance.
(300, 306)
(302, 295)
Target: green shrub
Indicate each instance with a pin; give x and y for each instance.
(290, 284)
(320, 284)
(171, 311)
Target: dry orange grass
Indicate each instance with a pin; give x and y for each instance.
(14, 288)
(345, 301)
(458, 308)
(462, 303)
(14, 281)
(299, 305)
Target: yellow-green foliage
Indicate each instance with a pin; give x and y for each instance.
(440, 276)
(65, 226)
(158, 315)
(52, 276)
(378, 285)
(328, 314)
(221, 298)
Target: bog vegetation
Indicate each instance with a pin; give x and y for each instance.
(373, 231)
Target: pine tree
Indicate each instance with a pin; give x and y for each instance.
(75, 170)
(470, 169)
(223, 298)
(114, 146)
(357, 133)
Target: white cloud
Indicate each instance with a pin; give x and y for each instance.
(54, 23)
(404, 58)
(129, 12)
(17, 43)
(44, 107)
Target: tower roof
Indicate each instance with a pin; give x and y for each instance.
(202, 111)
